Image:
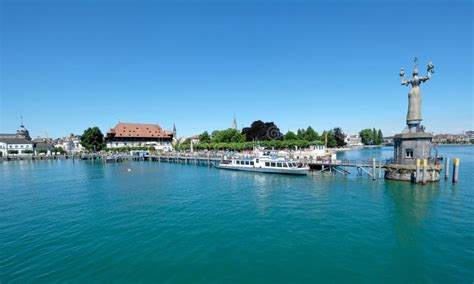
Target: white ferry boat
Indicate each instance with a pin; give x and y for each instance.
(264, 162)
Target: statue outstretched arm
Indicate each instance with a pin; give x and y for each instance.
(404, 81)
(426, 78)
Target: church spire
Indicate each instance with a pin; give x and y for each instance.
(234, 124)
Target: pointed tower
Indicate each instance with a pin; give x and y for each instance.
(234, 124)
(174, 133)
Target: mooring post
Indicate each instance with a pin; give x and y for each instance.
(417, 175)
(425, 170)
(374, 169)
(455, 170)
(446, 169)
(380, 169)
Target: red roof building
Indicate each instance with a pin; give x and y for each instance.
(138, 135)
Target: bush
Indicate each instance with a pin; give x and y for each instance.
(27, 151)
(12, 152)
(41, 151)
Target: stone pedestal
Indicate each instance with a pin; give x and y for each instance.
(409, 147)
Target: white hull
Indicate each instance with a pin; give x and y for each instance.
(295, 171)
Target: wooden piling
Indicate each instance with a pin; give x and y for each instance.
(374, 169)
(446, 169)
(417, 174)
(380, 169)
(455, 170)
(425, 170)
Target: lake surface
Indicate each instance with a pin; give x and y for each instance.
(88, 222)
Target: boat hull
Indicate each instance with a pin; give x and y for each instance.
(299, 171)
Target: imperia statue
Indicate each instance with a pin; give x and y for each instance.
(414, 96)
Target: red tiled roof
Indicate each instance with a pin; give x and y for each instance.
(139, 130)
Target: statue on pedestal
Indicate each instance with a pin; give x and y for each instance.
(414, 96)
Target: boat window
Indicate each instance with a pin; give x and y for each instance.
(238, 162)
(251, 163)
(247, 163)
(273, 164)
(267, 164)
(279, 165)
(256, 161)
(284, 165)
(295, 165)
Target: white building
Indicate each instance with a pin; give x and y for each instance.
(70, 144)
(139, 135)
(353, 140)
(16, 144)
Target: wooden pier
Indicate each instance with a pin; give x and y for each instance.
(342, 167)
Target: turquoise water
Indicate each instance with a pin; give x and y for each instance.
(88, 222)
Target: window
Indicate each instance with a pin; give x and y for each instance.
(267, 164)
(284, 165)
(251, 163)
(247, 163)
(279, 165)
(409, 153)
(273, 164)
(238, 162)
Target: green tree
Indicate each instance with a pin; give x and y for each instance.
(227, 136)
(329, 138)
(340, 137)
(374, 136)
(93, 139)
(301, 134)
(290, 135)
(379, 137)
(310, 134)
(204, 137)
(366, 136)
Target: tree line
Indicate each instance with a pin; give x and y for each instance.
(266, 134)
(371, 136)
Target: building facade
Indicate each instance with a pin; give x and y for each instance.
(16, 144)
(139, 135)
(70, 144)
(353, 140)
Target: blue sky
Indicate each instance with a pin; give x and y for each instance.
(68, 65)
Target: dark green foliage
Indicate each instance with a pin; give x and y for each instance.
(12, 151)
(27, 151)
(379, 137)
(262, 131)
(371, 136)
(93, 139)
(204, 137)
(339, 136)
(329, 139)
